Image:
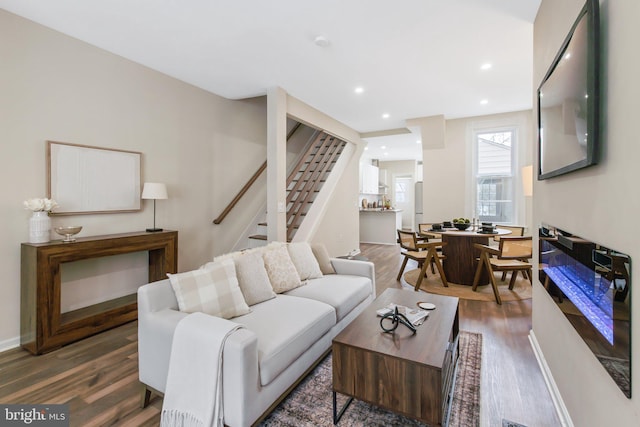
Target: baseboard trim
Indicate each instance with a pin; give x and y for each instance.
(561, 409)
(9, 344)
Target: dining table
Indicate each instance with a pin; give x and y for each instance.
(460, 254)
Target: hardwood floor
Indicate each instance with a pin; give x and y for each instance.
(97, 377)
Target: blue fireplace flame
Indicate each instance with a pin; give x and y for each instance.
(592, 295)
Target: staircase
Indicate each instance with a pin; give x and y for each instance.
(305, 181)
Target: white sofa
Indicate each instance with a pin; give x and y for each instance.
(282, 339)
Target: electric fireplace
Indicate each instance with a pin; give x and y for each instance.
(591, 284)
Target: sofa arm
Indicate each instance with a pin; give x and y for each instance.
(356, 268)
(155, 336)
(240, 363)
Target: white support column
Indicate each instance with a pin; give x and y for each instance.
(276, 164)
(432, 131)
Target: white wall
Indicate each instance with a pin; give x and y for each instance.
(202, 146)
(593, 203)
(447, 192)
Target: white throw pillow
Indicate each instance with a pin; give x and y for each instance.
(282, 273)
(303, 259)
(213, 290)
(324, 261)
(253, 278)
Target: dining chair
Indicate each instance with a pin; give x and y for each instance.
(423, 231)
(517, 231)
(508, 257)
(413, 242)
(424, 253)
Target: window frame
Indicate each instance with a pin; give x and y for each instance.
(513, 170)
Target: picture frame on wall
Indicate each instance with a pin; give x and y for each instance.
(86, 180)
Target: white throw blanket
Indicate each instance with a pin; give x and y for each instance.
(193, 396)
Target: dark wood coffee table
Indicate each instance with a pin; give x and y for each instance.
(402, 372)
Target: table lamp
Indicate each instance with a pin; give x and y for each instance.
(154, 191)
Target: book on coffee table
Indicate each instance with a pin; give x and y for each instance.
(415, 315)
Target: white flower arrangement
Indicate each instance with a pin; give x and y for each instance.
(39, 205)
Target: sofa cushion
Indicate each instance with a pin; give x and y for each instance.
(286, 327)
(213, 290)
(304, 260)
(282, 273)
(322, 256)
(253, 278)
(342, 292)
(260, 250)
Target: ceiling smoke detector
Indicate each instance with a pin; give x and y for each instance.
(321, 41)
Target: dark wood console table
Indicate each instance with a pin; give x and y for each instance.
(43, 327)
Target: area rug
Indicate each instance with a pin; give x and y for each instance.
(432, 284)
(310, 404)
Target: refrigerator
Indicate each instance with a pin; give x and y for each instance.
(418, 204)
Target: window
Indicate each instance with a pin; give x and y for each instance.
(401, 191)
(494, 176)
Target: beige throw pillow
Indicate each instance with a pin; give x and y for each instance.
(304, 260)
(282, 273)
(253, 278)
(213, 290)
(322, 256)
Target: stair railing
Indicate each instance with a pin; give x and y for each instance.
(249, 183)
(241, 193)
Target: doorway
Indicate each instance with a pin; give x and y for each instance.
(403, 189)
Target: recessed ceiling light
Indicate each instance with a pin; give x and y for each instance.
(366, 148)
(321, 41)
(484, 102)
(386, 154)
(485, 66)
(384, 147)
(359, 89)
(418, 142)
(385, 116)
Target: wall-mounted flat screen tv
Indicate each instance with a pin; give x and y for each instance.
(569, 100)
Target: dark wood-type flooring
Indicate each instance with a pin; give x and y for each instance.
(98, 378)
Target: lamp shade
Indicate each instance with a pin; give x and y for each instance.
(154, 190)
(527, 180)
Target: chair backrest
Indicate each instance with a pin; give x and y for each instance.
(516, 247)
(407, 240)
(424, 227)
(516, 230)
(424, 232)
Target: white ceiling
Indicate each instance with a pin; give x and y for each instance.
(413, 58)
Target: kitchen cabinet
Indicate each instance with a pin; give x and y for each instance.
(369, 179)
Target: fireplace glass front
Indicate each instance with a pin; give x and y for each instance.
(591, 285)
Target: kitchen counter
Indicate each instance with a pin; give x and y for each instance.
(380, 225)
